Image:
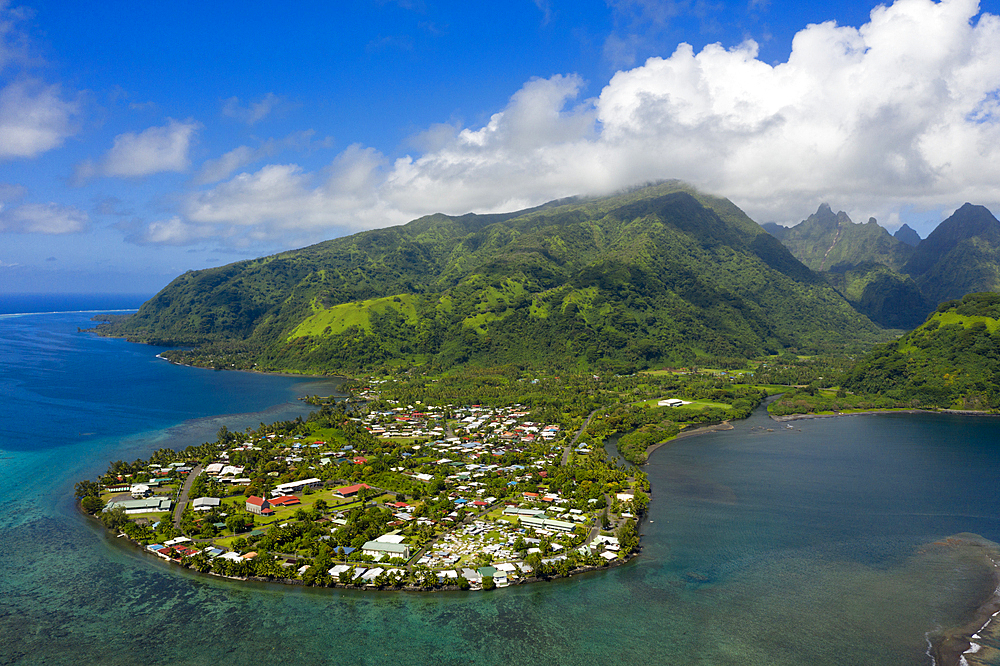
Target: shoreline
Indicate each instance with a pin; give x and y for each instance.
(258, 372)
(700, 430)
(114, 538)
(956, 412)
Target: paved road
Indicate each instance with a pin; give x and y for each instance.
(183, 499)
(569, 447)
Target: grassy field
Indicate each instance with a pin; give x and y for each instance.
(954, 318)
(341, 317)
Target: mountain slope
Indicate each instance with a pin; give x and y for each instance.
(659, 274)
(952, 360)
(960, 256)
(888, 298)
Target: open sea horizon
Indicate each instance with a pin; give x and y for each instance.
(833, 541)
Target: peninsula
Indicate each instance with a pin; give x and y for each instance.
(404, 485)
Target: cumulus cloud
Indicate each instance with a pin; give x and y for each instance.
(173, 231)
(43, 219)
(283, 201)
(212, 171)
(903, 111)
(222, 167)
(153, 150)
(34, 118)
(133, 155)
(251, 113)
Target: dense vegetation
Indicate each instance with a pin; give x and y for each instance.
(953, 360)
(661, 275)
(961, 256)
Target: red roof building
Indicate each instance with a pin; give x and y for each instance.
(258, 505)
(350, 491)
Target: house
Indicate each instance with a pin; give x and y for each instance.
(154, 504)
(285, 500)
(259, 506)
(672, 402)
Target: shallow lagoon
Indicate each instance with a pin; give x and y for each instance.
(803, 545)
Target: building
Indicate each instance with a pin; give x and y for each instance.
(153, 504)
(140, 490)
(379, 549)
(350, 491)
(206, 503)
(296, 486)
(259, 506)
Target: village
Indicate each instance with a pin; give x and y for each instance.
(400, 496)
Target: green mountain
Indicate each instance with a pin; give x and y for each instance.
(952, 360)
(907, 235)
(661, 274)
(862, 262)
(888, 298)
(962, 255)
(828, 241)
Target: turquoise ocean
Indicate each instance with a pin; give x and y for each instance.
(828, 542)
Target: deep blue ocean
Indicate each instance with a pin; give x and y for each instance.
(823, 543)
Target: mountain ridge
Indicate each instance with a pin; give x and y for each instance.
(658, 274)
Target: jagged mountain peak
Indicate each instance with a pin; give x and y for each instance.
(907, 235)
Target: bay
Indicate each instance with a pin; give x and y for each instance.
(823, 543)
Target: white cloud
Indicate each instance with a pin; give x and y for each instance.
(281, 199)
(43, 219)
(901, 112)
(173, 231)
(33, 118)
(251, 113)
(153, 150)
(212, 171)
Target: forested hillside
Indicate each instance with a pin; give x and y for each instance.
(658, 275)
(962, 255)
(953, 360)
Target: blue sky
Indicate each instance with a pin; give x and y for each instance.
(139, 141)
